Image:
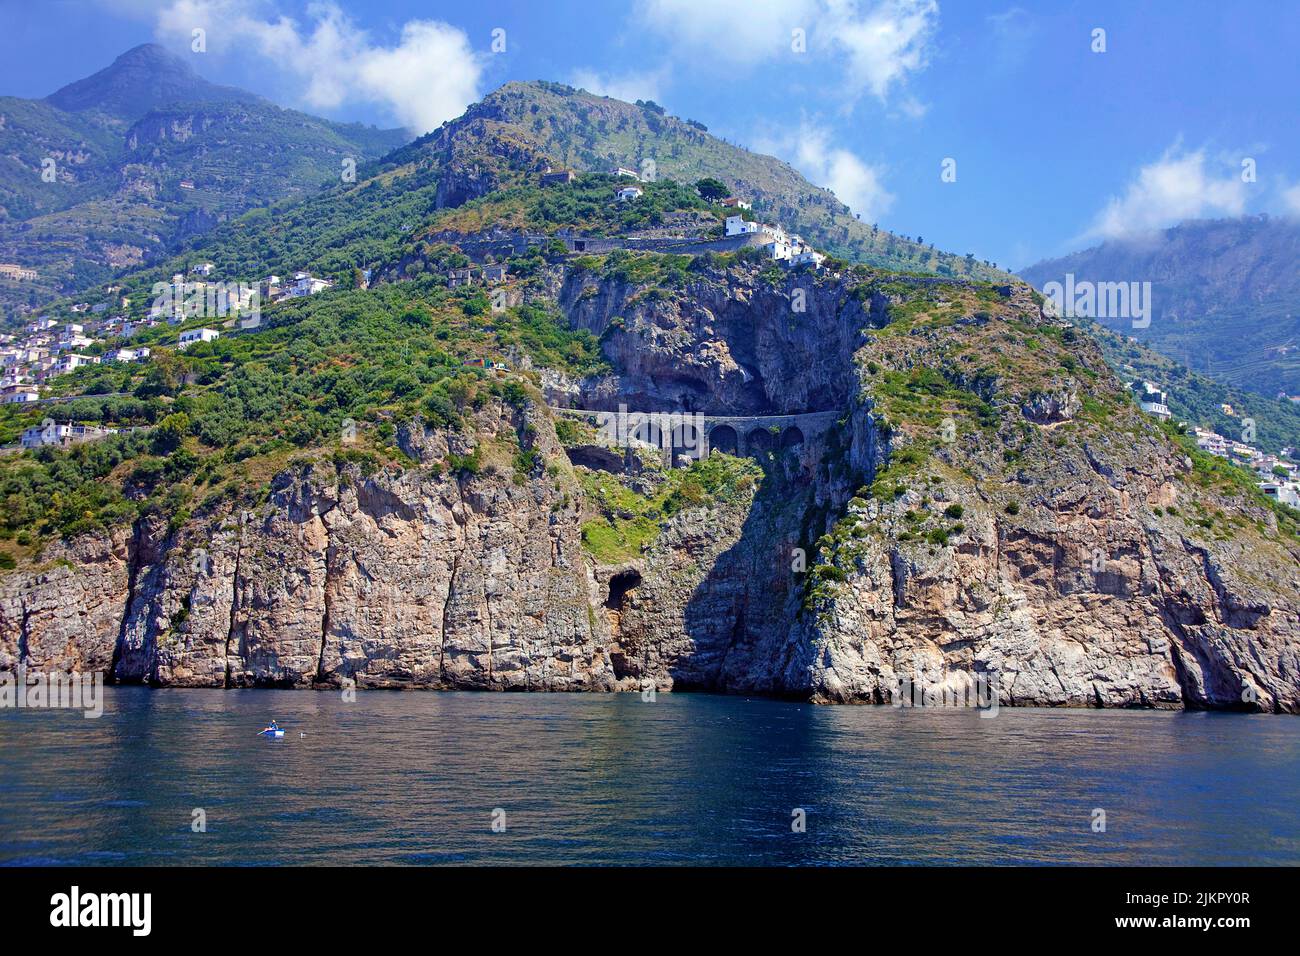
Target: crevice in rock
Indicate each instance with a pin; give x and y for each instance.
(234, 596)
(23, 634)
(487, 613)
(451, 586)
(132, 573)
(325, 616)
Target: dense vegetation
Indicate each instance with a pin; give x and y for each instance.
(120, 157)
(222, 416)
(586, 205)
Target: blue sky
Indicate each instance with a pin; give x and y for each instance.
(1055, 146)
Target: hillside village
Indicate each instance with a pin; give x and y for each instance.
(1278, 476)
(47, 348)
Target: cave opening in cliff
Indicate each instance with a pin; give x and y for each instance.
(619, 586)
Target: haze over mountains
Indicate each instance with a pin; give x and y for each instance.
(1225, 293)
(115, 169)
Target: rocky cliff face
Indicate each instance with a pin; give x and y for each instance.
(411, 579)
(988, 504)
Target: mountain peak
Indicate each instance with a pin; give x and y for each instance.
(154, 54)
(141, 79)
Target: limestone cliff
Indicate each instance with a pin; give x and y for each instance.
(987, 502)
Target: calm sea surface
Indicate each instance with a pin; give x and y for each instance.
(414, 778)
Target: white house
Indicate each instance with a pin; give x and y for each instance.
(203, 269)
(72, 360)
(52, 433)
(304, 283)
(1286, 492)
(807, 256)
(190, 336)
(128, 355)
(1152, 399)
(629, 194)
(1211, 442)
(73, 342)
(21, 396)
(739, 226)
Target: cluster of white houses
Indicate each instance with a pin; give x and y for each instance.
(1279, 478)
(789, 248)
(184, 297)
(48, 347)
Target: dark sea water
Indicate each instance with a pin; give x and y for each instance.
(414, 778)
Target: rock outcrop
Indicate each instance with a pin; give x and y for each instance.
(1004, 515)
(391, 580)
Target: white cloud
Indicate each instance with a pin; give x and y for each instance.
(428, 77)
(1177, 186)
(856, 183)
(1291, 200)
(734, 31)
(879, 42)
(884, 42)
(631, 87)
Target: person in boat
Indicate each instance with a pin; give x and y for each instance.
(271, 729)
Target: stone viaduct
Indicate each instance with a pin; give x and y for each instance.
(695, 435)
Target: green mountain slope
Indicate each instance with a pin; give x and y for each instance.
(597, 133)
(1225, 293)
(1199, 399)
(134, 178)
(82, 148)
(483, 171)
